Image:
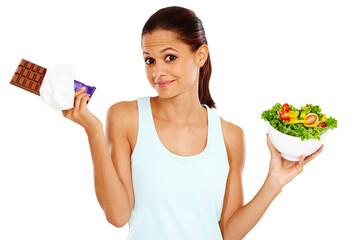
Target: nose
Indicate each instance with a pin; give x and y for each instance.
(159, 71)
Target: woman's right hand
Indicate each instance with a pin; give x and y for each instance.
(80, 114)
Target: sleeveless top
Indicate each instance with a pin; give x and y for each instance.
(176, 197)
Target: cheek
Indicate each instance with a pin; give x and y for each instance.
(148, 72)
(191, 70)
(185, 69)
(178, 69)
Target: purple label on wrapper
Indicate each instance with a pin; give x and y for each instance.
(88, 89)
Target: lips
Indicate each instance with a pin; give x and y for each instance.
(164, 83)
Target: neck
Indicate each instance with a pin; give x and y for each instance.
(181, 109)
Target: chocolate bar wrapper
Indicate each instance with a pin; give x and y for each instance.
(88, 89)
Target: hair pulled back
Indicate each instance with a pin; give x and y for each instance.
(190, 30)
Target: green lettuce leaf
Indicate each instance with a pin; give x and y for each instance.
(298, 129)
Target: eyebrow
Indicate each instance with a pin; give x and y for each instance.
(165, 49)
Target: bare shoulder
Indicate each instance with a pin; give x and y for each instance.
(122, 118)
(122, 111)
(234, 139)
(231, 130)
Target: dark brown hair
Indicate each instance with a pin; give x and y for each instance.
(190, 30)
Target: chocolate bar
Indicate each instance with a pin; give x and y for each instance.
(28, 76)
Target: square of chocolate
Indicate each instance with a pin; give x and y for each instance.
(28, 76)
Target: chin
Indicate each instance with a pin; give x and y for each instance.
(165, 95)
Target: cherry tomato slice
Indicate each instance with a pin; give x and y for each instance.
(284, 115)
(322, 125)
(285, 107)
(311, 119)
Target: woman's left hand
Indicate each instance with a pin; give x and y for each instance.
(283, 170)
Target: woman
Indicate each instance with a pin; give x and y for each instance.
(174, 166)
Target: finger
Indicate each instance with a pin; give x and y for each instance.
(312, 156)
(89, 99)
(300, 165)
(78, 100)
(79, 91)
(83, 101)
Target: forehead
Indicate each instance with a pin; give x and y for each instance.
(160, 39)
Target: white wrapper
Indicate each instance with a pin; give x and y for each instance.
(57, 88)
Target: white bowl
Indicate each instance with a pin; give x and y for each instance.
(290, 147)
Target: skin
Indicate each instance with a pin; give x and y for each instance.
(179, 102)
(178, 113)
(181, 124)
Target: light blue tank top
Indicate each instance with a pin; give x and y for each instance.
(176, 197)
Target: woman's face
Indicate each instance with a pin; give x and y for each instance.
(171, 67)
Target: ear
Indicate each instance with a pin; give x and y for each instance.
(202, 54)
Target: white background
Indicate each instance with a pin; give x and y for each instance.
(262, 52)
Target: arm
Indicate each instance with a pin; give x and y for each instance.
(110, 191)
(246, 217)
(112, 171)
(238, 220)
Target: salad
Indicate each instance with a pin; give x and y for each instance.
(306, 122)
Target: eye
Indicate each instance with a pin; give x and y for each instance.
(149, 61)
(170, 57)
